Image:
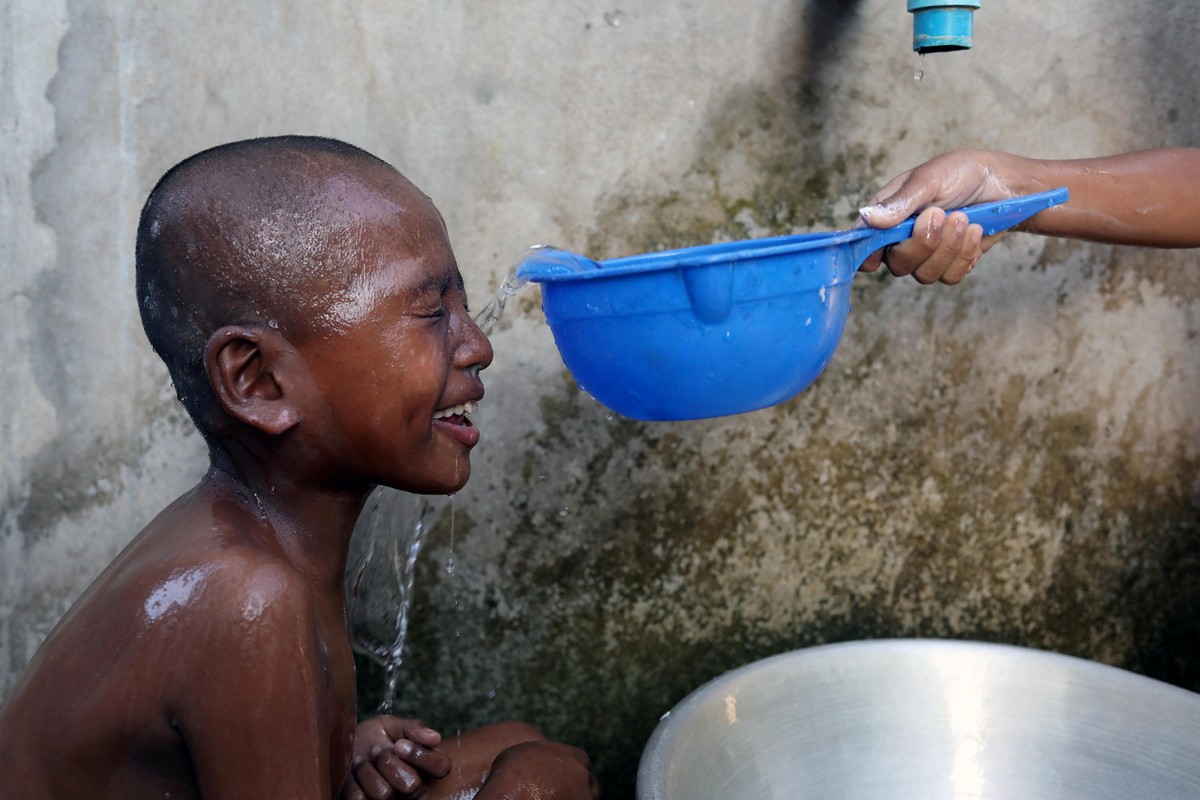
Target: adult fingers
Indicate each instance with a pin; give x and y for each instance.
(962, 262)
(906, 257)
(888, 189)
(872, 263)
(902, 197)
(956, 253)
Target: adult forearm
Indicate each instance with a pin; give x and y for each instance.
(1149, 198)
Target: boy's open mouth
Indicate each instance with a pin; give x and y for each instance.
(453, 422)
(457, 414)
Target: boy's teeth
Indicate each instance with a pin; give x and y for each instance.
(454, 411)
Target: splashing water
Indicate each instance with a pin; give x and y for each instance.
(389, 539)
(453, 577)
(512, 285)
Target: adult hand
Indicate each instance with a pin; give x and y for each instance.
(943, 247)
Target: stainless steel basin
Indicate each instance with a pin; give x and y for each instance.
(911, 719)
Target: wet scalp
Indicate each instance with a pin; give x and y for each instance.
(248, 233)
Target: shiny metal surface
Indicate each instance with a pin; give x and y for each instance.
(907, 719)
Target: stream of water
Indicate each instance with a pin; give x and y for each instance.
(389, 539)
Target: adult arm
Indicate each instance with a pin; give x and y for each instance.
(1149, 198)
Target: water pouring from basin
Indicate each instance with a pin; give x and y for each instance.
(380, 587)
(718, 329)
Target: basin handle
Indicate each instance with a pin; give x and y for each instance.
(994, 217)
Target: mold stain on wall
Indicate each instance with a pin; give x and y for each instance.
(994, 462)
(917, 489)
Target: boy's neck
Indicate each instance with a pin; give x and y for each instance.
(310, 526)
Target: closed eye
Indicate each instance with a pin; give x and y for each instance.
(431, 313)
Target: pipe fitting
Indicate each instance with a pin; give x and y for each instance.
(941, 25)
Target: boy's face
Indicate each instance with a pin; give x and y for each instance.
(394, 355)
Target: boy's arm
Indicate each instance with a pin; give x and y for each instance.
(253, 693)
(539, 769)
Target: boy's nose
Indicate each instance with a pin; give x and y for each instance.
(474, 349)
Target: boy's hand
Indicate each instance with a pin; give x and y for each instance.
(540, 769)
(391, 758)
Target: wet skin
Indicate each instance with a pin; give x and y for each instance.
(211, 658)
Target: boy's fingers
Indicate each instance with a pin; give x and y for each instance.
(421, 734)
(431, 762)
(370, 783)
(397, 774)
(401, 728)
(351, 790)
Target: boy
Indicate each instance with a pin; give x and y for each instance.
(306, 301)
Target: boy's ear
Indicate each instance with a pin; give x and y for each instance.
(243, 365)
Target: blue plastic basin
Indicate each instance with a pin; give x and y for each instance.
(719, 329)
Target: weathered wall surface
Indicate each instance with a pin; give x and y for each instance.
(1014, 459)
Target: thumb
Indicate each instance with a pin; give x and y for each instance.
(888, 208)
(416, 731)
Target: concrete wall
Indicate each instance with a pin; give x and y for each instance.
(1015, 459)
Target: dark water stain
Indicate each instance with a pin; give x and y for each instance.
(799, 172)
(864, 508)
(694, 548)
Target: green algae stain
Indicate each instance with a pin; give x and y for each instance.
(762, 166)
(879, 503)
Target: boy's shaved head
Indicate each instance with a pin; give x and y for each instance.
(257, 232)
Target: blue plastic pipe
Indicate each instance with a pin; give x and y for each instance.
(940, 25)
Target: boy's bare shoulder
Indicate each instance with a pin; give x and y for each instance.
(182, 632)
(192, 576)
(224, 579)
(230, 585)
